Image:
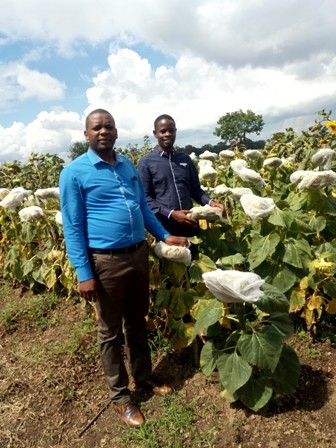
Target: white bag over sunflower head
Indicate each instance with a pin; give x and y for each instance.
(173, 253)
(206, 212)
(234, 286)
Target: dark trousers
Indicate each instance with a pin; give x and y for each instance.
(122, 306)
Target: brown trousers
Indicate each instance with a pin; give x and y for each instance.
(123, 281)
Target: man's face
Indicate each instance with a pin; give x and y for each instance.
(101, 132)
(165, 133)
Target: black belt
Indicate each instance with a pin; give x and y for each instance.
(121, 250)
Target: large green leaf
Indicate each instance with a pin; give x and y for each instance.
(181, 302)
(297, 253)
(297, 299)
(327, 206)
(262, 247)
(326, 247)
(234, 371)
(12, 255)
(49, 276)
(16, 272)
(300, 226)
(209, 315)
(232, 260)
(182, 333)
(261, 348)
(281, 218)
(297, 201)
(286, 375)
(27, 267)
(318, 223)
(329, 287)
(277, 274)
(256, 393)
(28, 232)
(272, 300)
(198, 267)
(175, 271)
(208, 358)
(211, 237)
(162, 299)
(43, 254)
(282, 322)
(38, 276)
(283, 279)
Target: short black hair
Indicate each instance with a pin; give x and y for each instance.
(163, 117)
(96, 111)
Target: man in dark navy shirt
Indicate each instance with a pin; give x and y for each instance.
(171, 181)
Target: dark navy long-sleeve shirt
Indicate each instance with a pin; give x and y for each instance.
(171, 182)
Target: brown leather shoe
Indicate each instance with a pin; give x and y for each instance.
(129, 413)
(153, 385)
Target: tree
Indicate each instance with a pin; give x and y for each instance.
(235, 125)
(77, 149)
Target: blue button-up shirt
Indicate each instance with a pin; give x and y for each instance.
(103, 207)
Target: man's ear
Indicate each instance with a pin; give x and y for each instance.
(154, 133)
(85, 135)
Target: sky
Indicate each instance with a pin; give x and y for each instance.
(193, 59)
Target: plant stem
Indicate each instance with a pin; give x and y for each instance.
(239, 311)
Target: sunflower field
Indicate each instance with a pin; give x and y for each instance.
(250, 278)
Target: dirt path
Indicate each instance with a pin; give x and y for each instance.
(50, 390)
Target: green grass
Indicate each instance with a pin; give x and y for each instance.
(158, 344)
(176, 428)
(71, 345)
(304, 342)
(28, 313)
(31, 311)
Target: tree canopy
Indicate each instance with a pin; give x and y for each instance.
(77, 149)
(235, 125)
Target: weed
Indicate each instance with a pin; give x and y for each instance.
(305, 343)
(157, 344)
(236, 426)
(77, 341)
(175, 429)
(30, 311)
(68, 393)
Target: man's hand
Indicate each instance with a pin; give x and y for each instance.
(177, 241)
(88, 290)
(218, 205)
(181, 217)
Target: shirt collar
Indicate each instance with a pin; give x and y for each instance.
(163, 153)
(95, 159)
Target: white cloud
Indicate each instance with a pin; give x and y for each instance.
(277, 59)
(52, 133)
(197, 93)
(229, 32)
(19, 83)
(40, 85)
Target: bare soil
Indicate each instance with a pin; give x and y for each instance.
(49, 398)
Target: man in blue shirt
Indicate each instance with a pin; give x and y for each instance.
(105, 214)
(171, 181)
